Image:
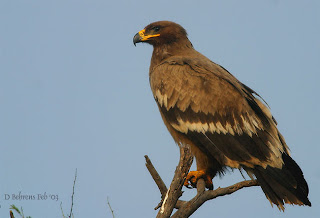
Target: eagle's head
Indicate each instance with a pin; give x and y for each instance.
(161, 33)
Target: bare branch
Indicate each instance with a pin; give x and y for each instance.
(161, 185)
(191, 206)
(174, 192)
(156, 177)
(74, 184)
(110, 207)
(170, 197)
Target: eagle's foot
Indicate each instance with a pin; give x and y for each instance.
(194, 176)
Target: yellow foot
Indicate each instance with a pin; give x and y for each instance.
(194, 176)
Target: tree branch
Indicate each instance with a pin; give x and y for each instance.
(170, 197)
(191, 206)
(161, 185)
(174, 192)
(156, 177)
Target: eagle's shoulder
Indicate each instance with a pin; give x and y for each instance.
(195, 81)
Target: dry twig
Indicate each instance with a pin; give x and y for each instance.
(110, 207)
(74, 184)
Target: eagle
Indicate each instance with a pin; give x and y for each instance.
(226, 123)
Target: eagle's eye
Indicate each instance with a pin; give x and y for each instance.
(156, 28)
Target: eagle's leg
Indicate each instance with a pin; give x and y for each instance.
(204, 170)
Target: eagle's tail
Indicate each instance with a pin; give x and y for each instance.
(286, 185)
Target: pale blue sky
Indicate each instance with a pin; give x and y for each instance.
(75, 93)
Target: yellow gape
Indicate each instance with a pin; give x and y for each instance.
(146, 37)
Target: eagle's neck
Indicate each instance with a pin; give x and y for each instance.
(164, 51)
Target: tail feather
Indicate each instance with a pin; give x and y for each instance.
(286, 185)
(292, 166)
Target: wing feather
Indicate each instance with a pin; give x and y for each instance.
(203, 101)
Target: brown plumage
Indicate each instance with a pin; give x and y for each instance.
(205, 106)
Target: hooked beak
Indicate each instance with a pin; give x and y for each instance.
(136, 39)
(141, 37)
